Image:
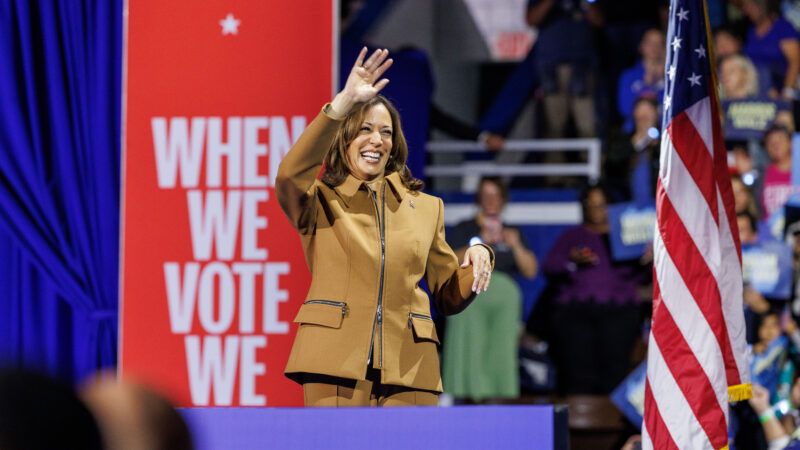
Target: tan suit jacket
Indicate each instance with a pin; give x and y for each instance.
(339, 321)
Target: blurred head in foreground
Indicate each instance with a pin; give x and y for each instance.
(132, 417)
(37, 412)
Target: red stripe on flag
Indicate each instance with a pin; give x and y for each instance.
(656, 428)
(696, 275)
(696, 157)
(721, 173)
(689, 374)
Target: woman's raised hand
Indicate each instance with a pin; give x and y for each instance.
(364, 81)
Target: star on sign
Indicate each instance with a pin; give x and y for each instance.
(694, 79)
(701, 52)
(230, 25)
(671, 72)
(676, 43)
(683, 14)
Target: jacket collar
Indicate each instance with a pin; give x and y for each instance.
(351, 185)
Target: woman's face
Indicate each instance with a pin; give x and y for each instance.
(779, 147)
(368, 153)
(645, 115)
(741, 196)
(596, 208)
(491, 196)
(770, 329)
(652, 46)
(746, 233)
(732, 78)
(753, 10)
(726, 44)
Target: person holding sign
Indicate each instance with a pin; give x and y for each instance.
(370, 236)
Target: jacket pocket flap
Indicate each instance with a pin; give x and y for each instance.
(320, 314)
(424, 329)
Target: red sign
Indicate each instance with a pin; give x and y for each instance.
(212, 273)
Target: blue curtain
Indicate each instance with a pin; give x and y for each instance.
(59, 183)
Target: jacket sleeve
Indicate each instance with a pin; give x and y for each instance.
(450, 285)
(298, 171)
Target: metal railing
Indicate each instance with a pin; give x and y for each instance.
(589, 168)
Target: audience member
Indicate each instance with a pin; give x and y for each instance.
(646, 78)
(738, 78)
(726, 43)
(566, 62)
(744, 201)
(773, 43)
(771, 366)
(38, 413)
(777, 186)
(631, 164)
(480, 348)
(596, 311)
(776, 434)
(133, 417)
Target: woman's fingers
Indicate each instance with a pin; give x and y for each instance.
(375, 59)
(381, 84)
(381, 69)
(360, 59)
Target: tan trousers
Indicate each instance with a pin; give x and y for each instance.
(319, 390)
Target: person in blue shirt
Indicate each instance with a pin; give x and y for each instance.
(773, 43)
(644, 79)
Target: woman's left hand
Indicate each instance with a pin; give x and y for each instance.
(480, 259)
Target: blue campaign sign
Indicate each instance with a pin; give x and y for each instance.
(747, 119)
(767, 267)
(631, 229)
(629, 395)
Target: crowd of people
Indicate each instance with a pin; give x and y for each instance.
(593, 316)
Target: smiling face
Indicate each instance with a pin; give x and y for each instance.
(369, 151)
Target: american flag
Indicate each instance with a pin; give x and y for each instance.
(697, 358)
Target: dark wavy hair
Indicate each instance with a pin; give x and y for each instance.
(336, 165)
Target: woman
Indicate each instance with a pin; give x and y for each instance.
(596, 306)
(366, 337)
(481, 346)
(738, 78)
(777, 186)
(774, 44)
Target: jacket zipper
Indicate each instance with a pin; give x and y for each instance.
(418, 316)
(379, 312)
(341, 305)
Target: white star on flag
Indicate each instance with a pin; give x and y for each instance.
(230, 25)
(701, 52)
(683, 14)
(694, 79)
(676, 44)
(671, 72)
